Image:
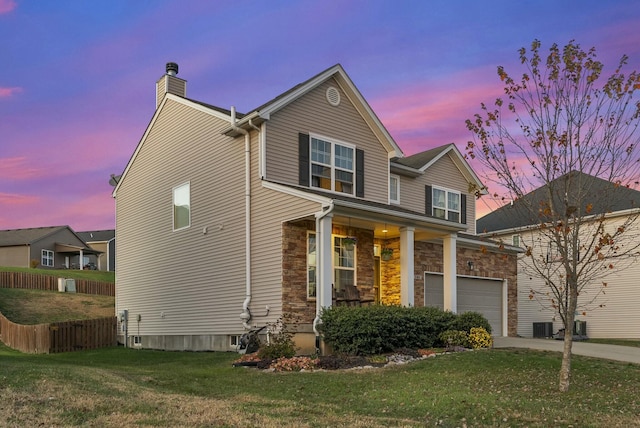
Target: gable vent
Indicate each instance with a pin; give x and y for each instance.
(333, 96)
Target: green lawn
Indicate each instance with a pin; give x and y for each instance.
(622, 342)
(93, 275)
(499, 387)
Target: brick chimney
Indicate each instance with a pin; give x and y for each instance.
(170, 84)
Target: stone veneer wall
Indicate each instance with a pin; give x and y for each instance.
(294, 267)
(390, 273)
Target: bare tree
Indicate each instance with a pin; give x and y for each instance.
(559, 127)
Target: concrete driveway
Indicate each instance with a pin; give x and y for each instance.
(627, 354)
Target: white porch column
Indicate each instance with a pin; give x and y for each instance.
(324, 263)
(406, 266)
(449, 273)
(81, 260)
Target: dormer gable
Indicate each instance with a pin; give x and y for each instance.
(338, 75)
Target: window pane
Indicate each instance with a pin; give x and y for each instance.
(439, 199)
(344, 182)
(454, 201)
(321, 176)
(311, 265)
(320, 151)
(344, 278)
(343, 257)
(454, 216)
(181, 207)
(344, 157)
(311, 286)
(393, 189)
(439, 213)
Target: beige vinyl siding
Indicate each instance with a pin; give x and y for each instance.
(172, 85)
(619, 318)
(313, 114)
(444, 173)
(191, 281)
(269, 210)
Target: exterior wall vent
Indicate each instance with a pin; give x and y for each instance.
(333, 96)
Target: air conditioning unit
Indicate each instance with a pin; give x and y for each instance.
(542, 329)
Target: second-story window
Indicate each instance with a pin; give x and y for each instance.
(446, 204)
(332, 165)
(181, 206)
(394, 189)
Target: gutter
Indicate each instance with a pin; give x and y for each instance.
(245, 316)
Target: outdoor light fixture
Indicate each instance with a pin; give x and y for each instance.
(470, 264)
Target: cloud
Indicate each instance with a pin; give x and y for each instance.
(7, 6)
(9, 92)
(433, 113)
(16, 169)
(15, 199)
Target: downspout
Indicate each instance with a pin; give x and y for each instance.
(245, 316)
(319, 216)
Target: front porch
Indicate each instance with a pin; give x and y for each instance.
(309, 285)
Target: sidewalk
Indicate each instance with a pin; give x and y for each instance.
(627, 354)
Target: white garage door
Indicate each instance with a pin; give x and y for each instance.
(474, 294)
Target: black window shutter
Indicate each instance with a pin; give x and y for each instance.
(428, 201)
(463, 208)
(303, 160)
(360, 173)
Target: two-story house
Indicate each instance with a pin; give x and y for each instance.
(226, 221)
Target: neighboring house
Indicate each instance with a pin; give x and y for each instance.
(57, 247)
(514, 224)
(227, 221)
(105, 242)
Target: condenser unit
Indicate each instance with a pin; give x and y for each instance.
(542, 329)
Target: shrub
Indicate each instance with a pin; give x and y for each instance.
(280, 343)
(480, 338)
(455, 338)
(377, 329)
(469, 320)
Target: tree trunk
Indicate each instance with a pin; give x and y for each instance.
(565, 368)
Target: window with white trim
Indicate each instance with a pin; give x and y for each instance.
(516, 240)
(47, 258)
(446, 204)
(181, 206)
(344, 264)
(394, 189)
(332, 165)
(311, 265)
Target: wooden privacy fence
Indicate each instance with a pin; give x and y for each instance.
(60, 336)
(32, 281)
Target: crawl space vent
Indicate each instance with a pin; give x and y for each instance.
(333, 96)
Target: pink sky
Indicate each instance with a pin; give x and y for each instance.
(77, 88)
